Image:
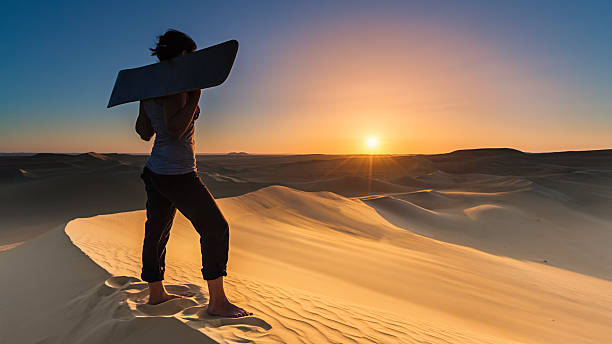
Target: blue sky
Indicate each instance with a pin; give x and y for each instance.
(60, 60)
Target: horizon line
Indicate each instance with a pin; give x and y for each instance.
(247, 153)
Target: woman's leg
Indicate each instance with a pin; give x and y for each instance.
(194, 200)
(160, 216)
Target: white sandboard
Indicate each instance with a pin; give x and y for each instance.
(204, 68)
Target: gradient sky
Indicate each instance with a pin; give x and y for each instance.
(320, 77)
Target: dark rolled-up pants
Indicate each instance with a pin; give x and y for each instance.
(187, 193)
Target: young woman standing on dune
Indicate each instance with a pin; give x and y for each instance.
(171, 182)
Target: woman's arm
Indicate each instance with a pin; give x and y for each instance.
(143, 124)
(179, 111)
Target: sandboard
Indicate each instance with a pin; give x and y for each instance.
(204, 68)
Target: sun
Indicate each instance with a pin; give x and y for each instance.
(372, 142)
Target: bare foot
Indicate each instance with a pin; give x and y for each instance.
(227, 309)
(162, 298)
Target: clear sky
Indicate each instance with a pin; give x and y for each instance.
(319, 77)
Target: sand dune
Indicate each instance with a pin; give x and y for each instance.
(60, 296)
(352, 186)
(317, 267)
(533, 223)
(483, 246)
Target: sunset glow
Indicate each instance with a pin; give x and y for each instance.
(372, 142)
(431, 81)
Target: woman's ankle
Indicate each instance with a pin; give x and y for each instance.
(218, 299)
(216, 292)
(156, 289)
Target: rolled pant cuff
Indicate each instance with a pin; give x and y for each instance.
(213, 274)
(151, 277)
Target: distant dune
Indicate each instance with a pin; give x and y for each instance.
(512, 217)
(238, 153)
(352, 186)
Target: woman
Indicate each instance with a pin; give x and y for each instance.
(171, 182)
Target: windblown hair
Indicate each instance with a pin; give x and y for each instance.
(171, 44)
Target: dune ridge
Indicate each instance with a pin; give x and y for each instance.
(532, 222)
(339, 251)
(83, 303)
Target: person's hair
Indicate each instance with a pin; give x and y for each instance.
(171, 44)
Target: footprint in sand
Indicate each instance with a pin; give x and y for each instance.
(183, 290)
(198, 314)
(189, 308)
(118, 282)
(167, 308)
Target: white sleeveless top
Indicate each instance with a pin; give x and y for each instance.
(169, 155)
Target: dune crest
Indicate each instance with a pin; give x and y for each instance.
(330, 268)
(311, 266)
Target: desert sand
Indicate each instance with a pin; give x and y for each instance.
(480, 246)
